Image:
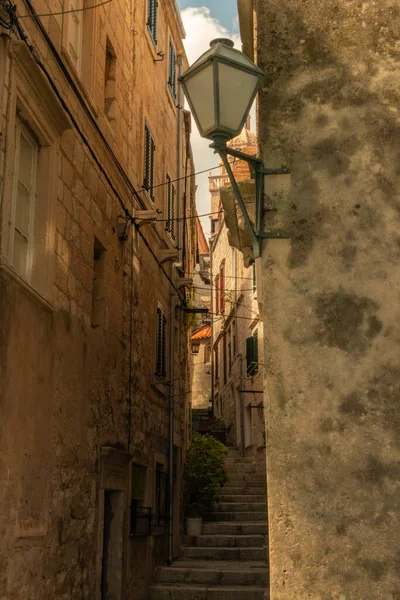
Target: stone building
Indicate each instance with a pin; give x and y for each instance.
(93, 271)
(237, 328)
(201, 332)
(329, 110)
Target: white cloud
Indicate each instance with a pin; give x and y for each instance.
(201, 28)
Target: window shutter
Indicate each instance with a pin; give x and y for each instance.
(151, 174)
(172, 70)
(164, 345)
(155, 20)
(172, 217)
(249, 355)
(152, 18)
(222, 287)
(255, 352)
(168, 226)
(146, 182)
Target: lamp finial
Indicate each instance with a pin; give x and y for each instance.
(224, 41)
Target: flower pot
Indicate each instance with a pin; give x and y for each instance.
(193, 526)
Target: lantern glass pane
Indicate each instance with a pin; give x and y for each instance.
(236, 56)
(236, 90)
(200, 94)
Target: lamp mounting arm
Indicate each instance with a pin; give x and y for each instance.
(257, 165)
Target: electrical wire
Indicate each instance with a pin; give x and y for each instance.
(188, 218)
(143, 189)
(64, 12)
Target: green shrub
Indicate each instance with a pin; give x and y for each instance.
(204, 474)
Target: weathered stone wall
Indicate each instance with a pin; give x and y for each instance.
(66, 388)
(329, 111)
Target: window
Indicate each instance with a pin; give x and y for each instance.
(254, 278)
(207, 353)
(222, 287)
(252, 354)
(230, 351)
(234, 339)
(149, 149)
(216, 365)
(110, 82)
(224, 358)
(141, 516)
(75, 30)
(152, 16)
(98, 288)
(170, 208)
(24, 194)
(161, 495)
(172, 70)
(217, 294)
(161, 343)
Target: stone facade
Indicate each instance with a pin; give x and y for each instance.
(330, 112)
(238, 384)
(80, 288)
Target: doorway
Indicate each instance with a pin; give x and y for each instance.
(111, 568)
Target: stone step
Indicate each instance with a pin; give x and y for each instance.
(233, 459)
(162, 591)
(251, 477)
(215, 573)
(241, 506)
(246, 488)
(235, 528)
(237, 516)
(230, 541)
(221, 553)
(243, 498)
(236, 467)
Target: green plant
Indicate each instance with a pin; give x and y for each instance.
(204, 474)
(215, 423)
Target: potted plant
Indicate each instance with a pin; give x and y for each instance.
(204, 474)
(217, 429)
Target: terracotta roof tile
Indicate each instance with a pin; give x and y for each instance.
(203, 333)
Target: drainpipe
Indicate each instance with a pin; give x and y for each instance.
(241, 402)
(179, 158)
(171, 388)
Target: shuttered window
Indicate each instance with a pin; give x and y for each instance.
(161, 343)
(252, 354)
(222, 287)
(149, 150)
(152, 17)
(217, 294)
(23, 204)
(170, 208)
(216, 365)
(172, 70)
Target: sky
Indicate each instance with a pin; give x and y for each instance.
(205, 20)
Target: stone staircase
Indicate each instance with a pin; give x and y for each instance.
(228, 561)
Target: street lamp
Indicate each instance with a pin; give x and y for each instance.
(220, 88)
(195, 348)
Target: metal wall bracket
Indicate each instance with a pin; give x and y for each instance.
(257, 166)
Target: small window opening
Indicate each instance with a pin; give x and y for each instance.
(98, 288)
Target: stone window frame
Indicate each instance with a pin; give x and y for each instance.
(84, 72)
(33, 103)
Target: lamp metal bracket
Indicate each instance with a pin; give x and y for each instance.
(257, 166)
